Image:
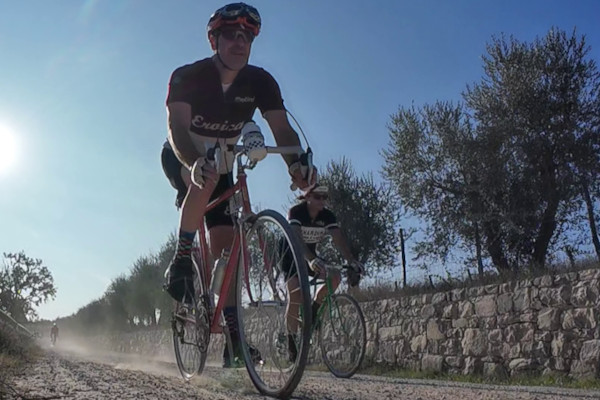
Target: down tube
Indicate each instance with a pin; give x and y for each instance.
(230, 271)
(245, 262)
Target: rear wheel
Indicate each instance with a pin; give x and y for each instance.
(267, 289)
(191, 329)
(343, 336)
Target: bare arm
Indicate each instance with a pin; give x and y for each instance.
(341, 244)
(179, 115)
(283, 132)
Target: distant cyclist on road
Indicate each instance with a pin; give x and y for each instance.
(53, 334)
(312, 221)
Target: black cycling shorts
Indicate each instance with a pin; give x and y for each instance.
(288, 266)
(172, 168)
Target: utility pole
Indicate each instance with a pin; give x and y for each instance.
(403, 258)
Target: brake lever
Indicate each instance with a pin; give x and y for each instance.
(306, 159)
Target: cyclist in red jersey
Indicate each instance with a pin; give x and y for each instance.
(211, 101)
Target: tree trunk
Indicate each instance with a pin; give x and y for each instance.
(590, 210)
(548, 223)
(494, 246)
(478, 250)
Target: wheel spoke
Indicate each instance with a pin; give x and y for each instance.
(191, 331)
(342, 336)
(266, 291)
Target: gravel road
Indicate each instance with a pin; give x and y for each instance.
(78, 374)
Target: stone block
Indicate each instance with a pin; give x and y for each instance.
(474, 342)
(579, 318)
(564, 345)
(486, 306)
(518, 333)
(495, 336)
(475, 292)
(522, 299)
(438, 298)
(548, 319)
(427, 311)
(491, 289)
(431, 362)
(460, 323)
(585, 295)
(418, 344)
(466, 309)
(504, 303)
(390, 333)
(433, 331)
(589, 275)
(583, 370)
(450, 311)
(458, 294)
(590, 352)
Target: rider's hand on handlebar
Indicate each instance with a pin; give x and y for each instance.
(254, 142)
(203, 172)
(303, 171)
(300, 176)
(357, 266)
(317, 265)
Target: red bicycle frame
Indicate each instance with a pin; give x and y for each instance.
(238, 240)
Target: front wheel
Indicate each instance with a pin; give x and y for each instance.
(343, 336)
(274, 304)
(191, 329)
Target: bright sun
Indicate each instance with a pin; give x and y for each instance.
(8, 149)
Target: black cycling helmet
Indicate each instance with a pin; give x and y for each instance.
(242, 14)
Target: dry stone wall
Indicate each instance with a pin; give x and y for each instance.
(546, 325)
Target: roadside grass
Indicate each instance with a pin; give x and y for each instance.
(518, 380)
(394, 290)
(15, 352)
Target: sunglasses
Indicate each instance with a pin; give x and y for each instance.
(320, 196)
(233, 34)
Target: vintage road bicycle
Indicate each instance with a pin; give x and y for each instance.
(262, 297)
(340, 329)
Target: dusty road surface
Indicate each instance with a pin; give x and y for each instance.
(78, 374)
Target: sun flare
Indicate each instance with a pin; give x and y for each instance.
(8, 149)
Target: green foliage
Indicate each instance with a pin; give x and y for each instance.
(24, 284)
(134, 300)
(367, 213)
(501, 175)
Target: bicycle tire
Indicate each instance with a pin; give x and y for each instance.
(269, 303)
(351, 356)
(192, 319)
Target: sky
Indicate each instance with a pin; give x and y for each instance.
(82, 95)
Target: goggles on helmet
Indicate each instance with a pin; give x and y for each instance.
(236, 13)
